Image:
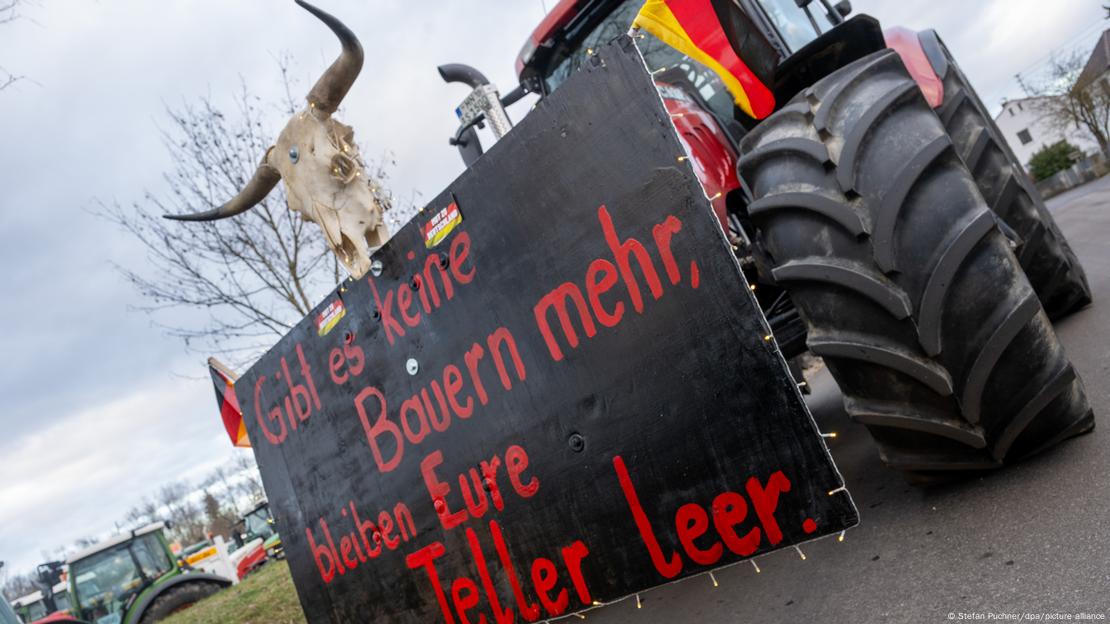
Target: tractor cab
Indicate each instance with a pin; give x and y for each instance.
(574, 29)
(259, 523)
(708, 122)
(133, 575)
(30, 607)
(35, 608)
(108, 577)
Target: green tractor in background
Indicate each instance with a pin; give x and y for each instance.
(134, 578)
(259, 523)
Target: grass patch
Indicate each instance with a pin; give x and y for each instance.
(265, 597)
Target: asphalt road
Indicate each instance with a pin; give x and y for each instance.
(1033, 538)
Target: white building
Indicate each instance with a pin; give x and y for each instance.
(1027, 130)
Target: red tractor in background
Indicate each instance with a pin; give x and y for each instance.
(882, 220)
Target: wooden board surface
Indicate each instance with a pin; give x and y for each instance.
(568, 397)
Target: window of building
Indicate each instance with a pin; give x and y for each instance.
(1019, 106)
(1025, 137)
(1011, 111)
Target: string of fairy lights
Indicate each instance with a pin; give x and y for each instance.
(712, 577)
(767, 338)
(755, 565)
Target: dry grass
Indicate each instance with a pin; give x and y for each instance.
(265, 597)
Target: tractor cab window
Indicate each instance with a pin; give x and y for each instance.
(107, 580)
(258, 523)
(669, 65)
(36, 611)
(614, 25)
(61, 601)
(152, 558)
(792, 22)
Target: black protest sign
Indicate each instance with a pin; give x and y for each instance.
(554, 390)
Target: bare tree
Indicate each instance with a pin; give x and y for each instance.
(220, 518)
(250, 480)
(142, 514)
(1072, 102)
(257, 274)
(220, 475)
(18, 586)
(9, 12)
(186, 517)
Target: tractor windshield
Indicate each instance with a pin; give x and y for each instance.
(36, 610)
(61, 601)
(671, 65)
(258, 523)
(797, 26)
(106, 581)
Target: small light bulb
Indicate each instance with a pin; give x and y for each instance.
(840, 538)
(756, 566)
(714, 579)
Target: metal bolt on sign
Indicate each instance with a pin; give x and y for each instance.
(376, 267)
(412, 366)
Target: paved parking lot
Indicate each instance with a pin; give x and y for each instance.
(1032, 538)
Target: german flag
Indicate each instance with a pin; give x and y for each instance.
(224, 380)
(693, 28)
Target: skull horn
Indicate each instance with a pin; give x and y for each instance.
(329, 90)
(264, 180)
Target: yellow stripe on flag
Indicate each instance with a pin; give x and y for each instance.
(656, 18)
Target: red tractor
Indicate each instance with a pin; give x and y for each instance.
(882, 220)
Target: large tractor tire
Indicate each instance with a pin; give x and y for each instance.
(1044, 253)
(178, 598)
(909, 290)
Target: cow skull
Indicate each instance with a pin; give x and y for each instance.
(317, 158)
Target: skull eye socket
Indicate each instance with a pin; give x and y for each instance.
(294, 155)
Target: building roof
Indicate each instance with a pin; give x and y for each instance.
(1025, 99)
(1099, 61)
(1006, 103)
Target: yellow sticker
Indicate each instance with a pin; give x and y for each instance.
(201, 555)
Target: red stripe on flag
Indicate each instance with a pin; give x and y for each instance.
(230, 412)
(700, 21)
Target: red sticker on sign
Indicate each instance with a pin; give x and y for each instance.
(439, 226)
(329, 317)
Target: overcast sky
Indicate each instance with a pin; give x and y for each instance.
(99, 406)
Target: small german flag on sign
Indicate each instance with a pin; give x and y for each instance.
(438, 227)
(693, 28)
(224, 380)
